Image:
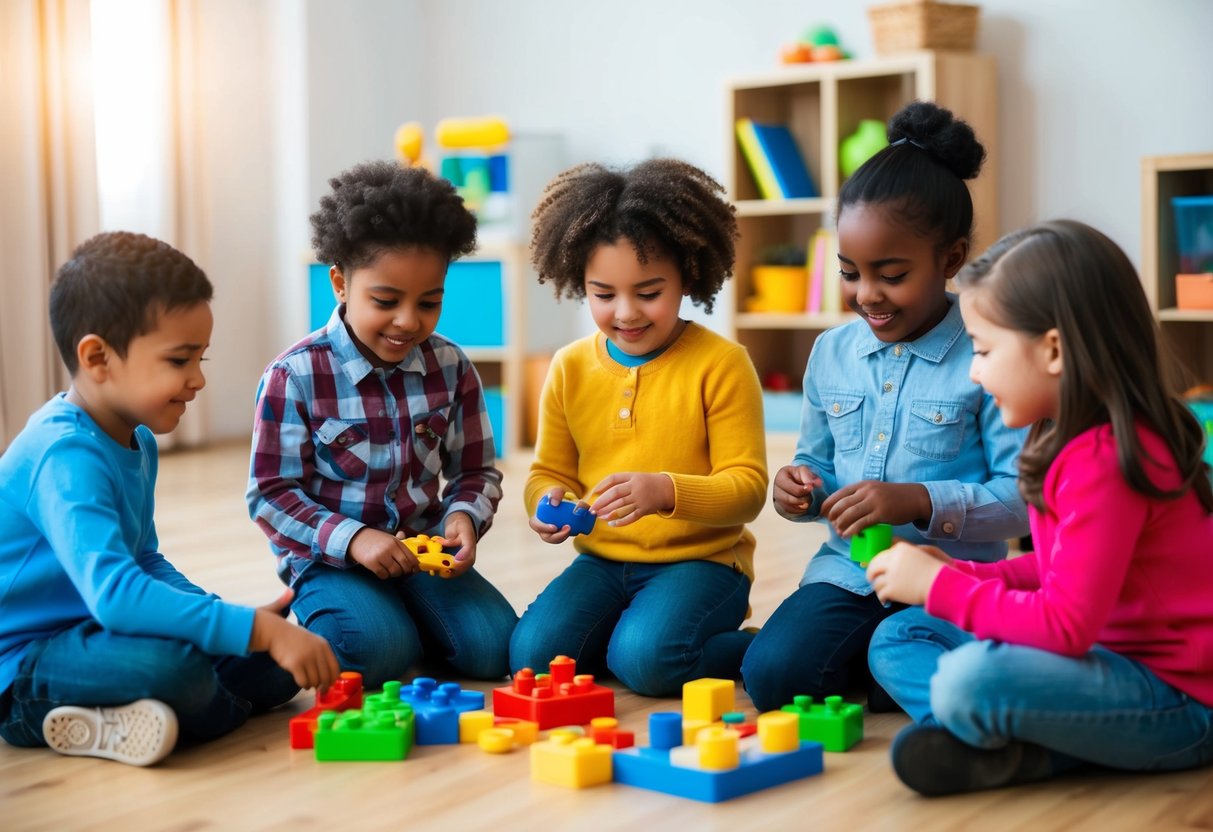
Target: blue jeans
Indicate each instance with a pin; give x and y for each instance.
(814, 644)
(653, 626)
(87, 665)
(1100, 708)
(382, 628)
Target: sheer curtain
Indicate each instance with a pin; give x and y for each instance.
(49, 185)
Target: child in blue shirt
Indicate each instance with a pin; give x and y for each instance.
(106, 650)
(893, 430)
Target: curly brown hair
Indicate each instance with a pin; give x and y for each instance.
(663, 207)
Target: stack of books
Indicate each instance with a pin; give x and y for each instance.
(775, 160)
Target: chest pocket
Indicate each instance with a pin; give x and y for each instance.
(844, 414)
(936, 429)
(342, 450)
(429, 433)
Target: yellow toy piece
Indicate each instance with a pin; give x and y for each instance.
(779, 732)
(428, 551)
(565, 759)
(719, 749)
(479, 133)
(408, 142)
(707, 700)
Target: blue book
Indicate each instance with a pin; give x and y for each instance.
(783, 154)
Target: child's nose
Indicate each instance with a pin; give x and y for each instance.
(869, 292)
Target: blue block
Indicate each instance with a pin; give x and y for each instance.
(650, 768)
(436, 709)
(580, 521)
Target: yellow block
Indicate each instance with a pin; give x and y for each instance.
(525, 731)
(496, 740)
(574, 762)
(779, 732)
(691, 729)
(708, 699)
(483, 133)
(718, 749)
(471, 723)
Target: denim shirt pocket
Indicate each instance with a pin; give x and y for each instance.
(936, 429)
(844, 414)
(429, 431)
(342, 450)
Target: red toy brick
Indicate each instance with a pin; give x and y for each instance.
(561, 698)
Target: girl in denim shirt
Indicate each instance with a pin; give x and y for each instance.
(892, 430)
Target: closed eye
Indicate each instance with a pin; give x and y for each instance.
(846, 275)
(894, 278)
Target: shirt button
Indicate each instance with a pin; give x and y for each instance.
(391, 495)
(880, 436)
(948, 528)
(888, 386)
(898, 350)
(837, 408)
(627, 394)
(345, 440)
(381, 413)
(938, 418)
(624, 413)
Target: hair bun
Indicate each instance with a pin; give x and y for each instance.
(947, 139)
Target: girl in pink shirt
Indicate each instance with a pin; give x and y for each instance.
(1098, 646)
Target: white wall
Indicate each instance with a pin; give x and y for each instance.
(1087, 87)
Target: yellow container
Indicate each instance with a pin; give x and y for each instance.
(778, 289)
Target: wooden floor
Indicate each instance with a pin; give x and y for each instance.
(252, 780)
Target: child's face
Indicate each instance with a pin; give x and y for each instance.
(892, 277)
(634, 304)
(161, 373)
(1022, 372)
(392, 304)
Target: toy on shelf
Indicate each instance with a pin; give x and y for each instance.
(381, 730)
(870, 542)
(720, 765)
(437, 708)
(565, 759)
(476, 163)
(869, 138)
(819, 43)
(835, 724)
(409, 142)
(779, 280)
(577, 517)
(555, 699)
(344, 694)
(430, 555)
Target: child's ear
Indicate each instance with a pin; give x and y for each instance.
(1051, 344)
(92, 354)
(955, 257)
(337, 278)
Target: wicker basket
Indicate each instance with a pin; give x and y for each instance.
(923, 24)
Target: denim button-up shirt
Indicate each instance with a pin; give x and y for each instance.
(908, 412)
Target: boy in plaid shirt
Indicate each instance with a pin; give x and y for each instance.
(358, 425)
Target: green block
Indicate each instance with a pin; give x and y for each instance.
(835, 724)
(871, 542)
(382, 730)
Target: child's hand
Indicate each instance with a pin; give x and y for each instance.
(460, 531)
(625, 498)
(306, 656)
(905, 573)
(793, 488)
(855, 507)
(550, 532)
(381, 553)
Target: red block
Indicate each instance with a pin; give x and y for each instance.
(559, 699)
(345, 694)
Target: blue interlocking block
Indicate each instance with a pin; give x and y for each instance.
(579, 520)
(436, 708)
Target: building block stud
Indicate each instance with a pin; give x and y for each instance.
(551, 700)
(579, 520)
(835, 724)
(870, 542)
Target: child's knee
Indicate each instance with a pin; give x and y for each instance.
(965, 683)
(647, 666)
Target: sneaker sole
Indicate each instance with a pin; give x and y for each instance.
(138, 734)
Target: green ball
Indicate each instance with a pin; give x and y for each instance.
(820, 35)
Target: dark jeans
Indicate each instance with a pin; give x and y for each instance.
(87, 665)
(815, 644)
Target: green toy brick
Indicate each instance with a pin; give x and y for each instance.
(835, 724)
(870, 542)
(382, 730)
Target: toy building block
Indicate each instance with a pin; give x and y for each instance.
(835, 724)
(605, 730)
(379, 732)
(437, 708)
(565, 759)
(344, 694)
(721, 765)
(560, 698)
(708, 699)
(579, 520)
(735, 721)
(870, 542)
(430, 555)
(505, 733)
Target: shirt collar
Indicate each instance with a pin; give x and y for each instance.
(353, 363)
(933, 346)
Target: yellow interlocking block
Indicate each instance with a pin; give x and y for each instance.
(708, 699)
(565, 759)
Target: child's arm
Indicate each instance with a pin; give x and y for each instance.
(282, 461)
(306, 656)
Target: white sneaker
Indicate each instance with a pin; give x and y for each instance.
(139, 734)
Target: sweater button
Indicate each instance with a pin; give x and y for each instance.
(624, 413)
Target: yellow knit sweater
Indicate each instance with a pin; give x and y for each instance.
(694, 413)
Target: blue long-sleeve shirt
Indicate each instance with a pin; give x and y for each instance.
(77, 541)
(908, 412)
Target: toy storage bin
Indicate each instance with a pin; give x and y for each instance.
(1194, 233)
(922, 24)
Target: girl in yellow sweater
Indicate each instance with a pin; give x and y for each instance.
(653, 421)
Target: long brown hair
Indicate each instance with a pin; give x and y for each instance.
(1115, 367)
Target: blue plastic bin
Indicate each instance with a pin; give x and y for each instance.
(1194, 233)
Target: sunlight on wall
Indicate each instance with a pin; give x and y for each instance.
(131, 100)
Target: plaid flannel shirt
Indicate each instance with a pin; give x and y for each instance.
(339, 444)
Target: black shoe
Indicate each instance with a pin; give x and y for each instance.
(933, 762)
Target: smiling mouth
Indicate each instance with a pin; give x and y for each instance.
(397, 342)
(631, 332)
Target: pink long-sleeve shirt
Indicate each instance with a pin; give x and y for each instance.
(1112, 566)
